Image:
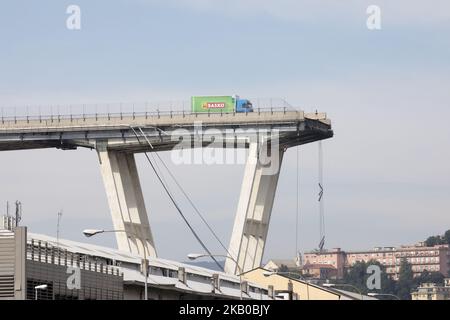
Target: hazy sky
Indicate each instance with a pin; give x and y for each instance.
(387, 170)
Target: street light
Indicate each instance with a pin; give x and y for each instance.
(92, 232)
(343, 285)
(194, 256)
(376, 294)
(39, 287)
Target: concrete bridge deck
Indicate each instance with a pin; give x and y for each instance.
(72, 131)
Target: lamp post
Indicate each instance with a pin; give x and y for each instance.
(92, 232)
(343, 285)
(376, 294)
(194, 256)
(39, 287)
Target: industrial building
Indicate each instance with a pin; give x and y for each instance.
(286, 285)
(34, 266)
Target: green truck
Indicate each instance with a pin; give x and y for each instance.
(218, 104)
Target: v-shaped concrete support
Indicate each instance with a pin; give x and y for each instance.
(126, 201)
(254, 209)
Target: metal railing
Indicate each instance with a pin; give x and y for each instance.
(42, 251)
(123, 110)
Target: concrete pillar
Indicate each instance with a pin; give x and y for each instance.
(254, 209)
(126, 201)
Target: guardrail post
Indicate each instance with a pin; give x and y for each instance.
(284, 110)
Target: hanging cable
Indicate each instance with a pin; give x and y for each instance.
(321, 202)
(297, 212)
(297, 204)
(177, 207)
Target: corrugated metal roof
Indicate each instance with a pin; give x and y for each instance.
(232, 289)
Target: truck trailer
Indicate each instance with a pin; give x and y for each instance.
(220, 104)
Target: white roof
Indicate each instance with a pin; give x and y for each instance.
(134, 275)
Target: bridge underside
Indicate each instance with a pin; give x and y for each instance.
(116, 140)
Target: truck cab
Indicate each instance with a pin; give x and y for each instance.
(243, 105)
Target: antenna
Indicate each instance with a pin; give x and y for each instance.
(57, 227)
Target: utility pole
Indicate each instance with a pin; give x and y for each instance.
(57, 227)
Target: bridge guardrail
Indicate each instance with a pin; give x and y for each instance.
(133, 115)
(150, 109)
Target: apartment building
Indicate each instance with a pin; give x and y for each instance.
(421, 257)
(431, 291)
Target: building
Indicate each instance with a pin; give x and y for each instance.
(282, 264)
(432, 259)
(320, 271)
(282, 285)
(334, 258)
(80, 271)
(431, 291)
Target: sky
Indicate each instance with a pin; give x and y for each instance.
(386, 170)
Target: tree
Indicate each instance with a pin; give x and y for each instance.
(432, 241)
(357, 276)
(405, 281)
(436, 277)
(447, 237)
(435, 240)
